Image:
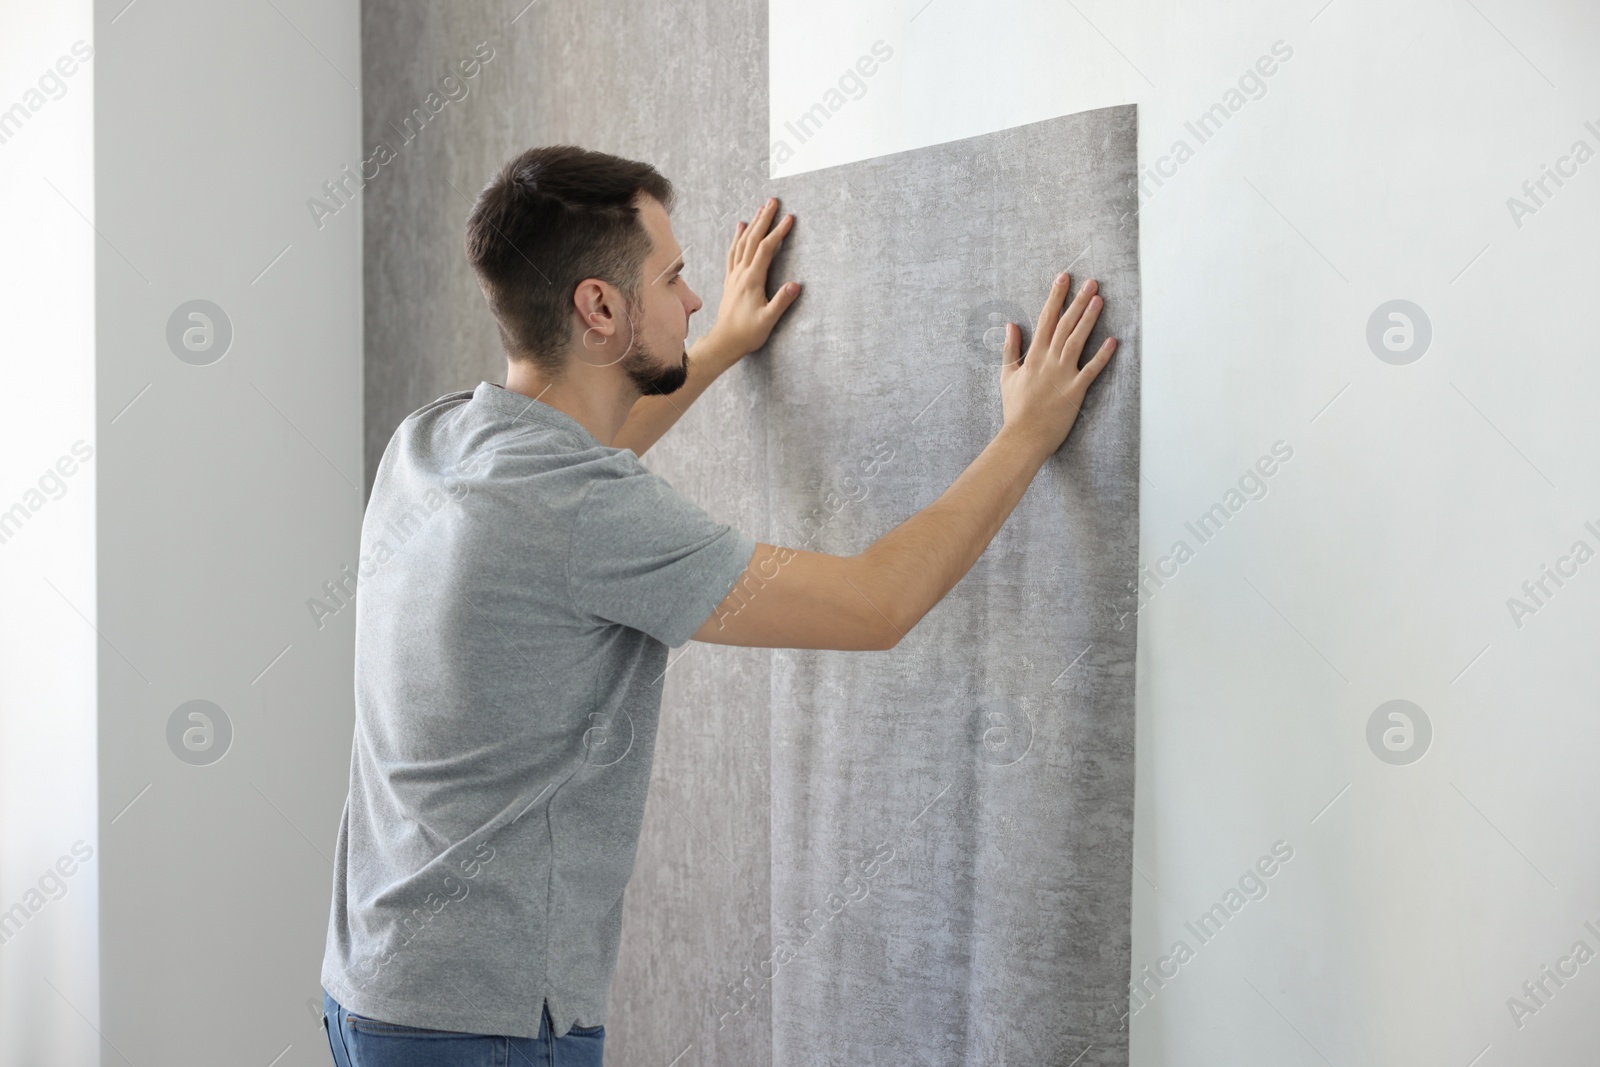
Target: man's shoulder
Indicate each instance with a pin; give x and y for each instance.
(433, 410)
(522, 457)
(444, 402)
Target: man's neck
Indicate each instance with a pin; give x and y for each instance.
(598, 401)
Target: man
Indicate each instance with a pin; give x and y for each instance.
(522, 577)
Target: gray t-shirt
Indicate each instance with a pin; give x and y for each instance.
(519, 586)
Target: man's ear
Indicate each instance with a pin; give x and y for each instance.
(598, 305)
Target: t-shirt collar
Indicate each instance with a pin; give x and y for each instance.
(523, 407)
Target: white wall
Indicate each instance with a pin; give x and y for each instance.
(229, 493)
(48, 967)
(220, 494)
(1374, 164)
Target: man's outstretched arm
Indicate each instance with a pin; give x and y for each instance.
(745, 319)
(789, 598)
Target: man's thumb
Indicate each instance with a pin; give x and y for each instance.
(1013, 352)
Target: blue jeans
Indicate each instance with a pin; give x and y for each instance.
(357, 1041)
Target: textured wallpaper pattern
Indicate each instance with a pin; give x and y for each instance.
(952, 820)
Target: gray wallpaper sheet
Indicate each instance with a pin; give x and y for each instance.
(1000, 917)
(952, 820)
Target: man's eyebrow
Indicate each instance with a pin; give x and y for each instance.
(672, 268)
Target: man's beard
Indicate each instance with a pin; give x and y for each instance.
(650, 377)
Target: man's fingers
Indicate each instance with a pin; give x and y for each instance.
(1045, 329)
(739, 240)
(1071, 317)
(1073, 347)
(758, 229)
(735, 245)
(768, 247)
(1091, 370)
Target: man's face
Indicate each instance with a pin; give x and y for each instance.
(657, 361)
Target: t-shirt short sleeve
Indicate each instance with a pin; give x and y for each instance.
(643, 556)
